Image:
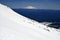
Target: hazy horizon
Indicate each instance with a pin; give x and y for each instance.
(37, 4)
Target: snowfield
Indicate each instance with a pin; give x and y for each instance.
(17, 27)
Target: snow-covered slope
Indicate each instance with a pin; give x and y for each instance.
(17, 27)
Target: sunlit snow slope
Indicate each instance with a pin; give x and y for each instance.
(17, 27)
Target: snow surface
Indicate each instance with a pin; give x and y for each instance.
(17, 27)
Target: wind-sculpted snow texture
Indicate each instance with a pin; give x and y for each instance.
(17, 27)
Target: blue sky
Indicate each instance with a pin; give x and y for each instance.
(40, 4)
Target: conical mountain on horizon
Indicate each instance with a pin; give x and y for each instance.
(17, 27)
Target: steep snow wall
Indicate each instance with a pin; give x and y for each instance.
(17, 27)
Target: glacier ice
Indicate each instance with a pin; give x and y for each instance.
(17, 27)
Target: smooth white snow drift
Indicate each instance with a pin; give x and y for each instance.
(17, 27)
